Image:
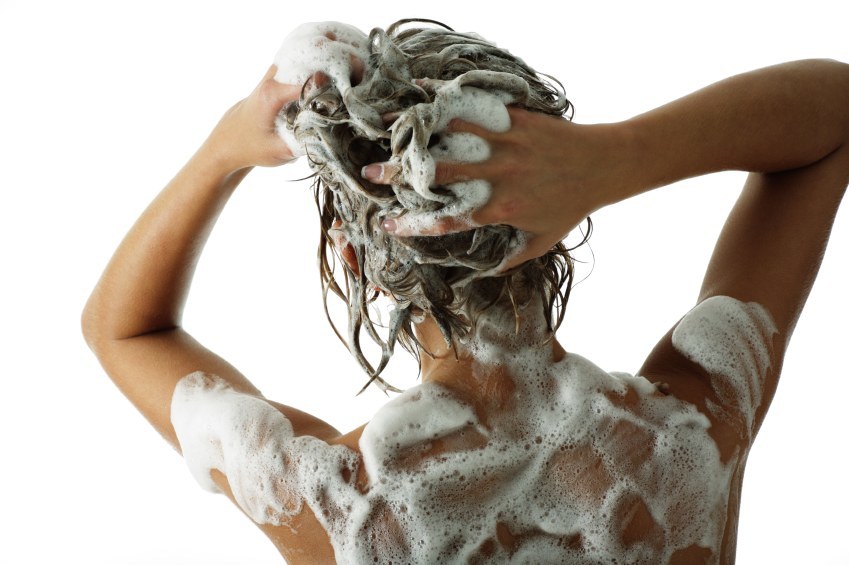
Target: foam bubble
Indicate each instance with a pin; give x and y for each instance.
(450, 100)
(328, 47)
(252, 443)
(577, 465)
(732, 341)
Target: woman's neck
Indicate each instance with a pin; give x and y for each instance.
(480, 367)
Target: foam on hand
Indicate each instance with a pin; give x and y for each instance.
(418, 160)
(478, 97)
(579, 466)
(328, 47)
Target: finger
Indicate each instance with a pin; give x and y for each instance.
(358, 69)
(318, 79)
(429, 85)
(427, 224)
(532, 249)
(277, 95)
(513, 261)
(450, 172)
(462, 126)
(389, 117)
(380, 173)
(275, 91)
(517, 114)
(270, 73)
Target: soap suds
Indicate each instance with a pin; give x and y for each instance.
(583, 466)
(484, 104)
(332, 48)
(477, 96)
(732, 341)
(252, 443)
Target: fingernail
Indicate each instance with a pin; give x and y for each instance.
(388, 225)
(372, 172)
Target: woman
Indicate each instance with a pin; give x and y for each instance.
(512, 448)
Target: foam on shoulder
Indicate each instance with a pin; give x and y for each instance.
(732, 341)
(579, 466)
(253, 445)
(415, 417)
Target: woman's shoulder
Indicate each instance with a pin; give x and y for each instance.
(719, 357)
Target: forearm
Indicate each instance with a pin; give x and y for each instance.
(145, 285)
(774, 119)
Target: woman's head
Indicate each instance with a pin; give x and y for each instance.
(389, 114)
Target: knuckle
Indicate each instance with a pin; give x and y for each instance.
(487, 215)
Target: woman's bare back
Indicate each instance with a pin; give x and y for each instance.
(569, 464)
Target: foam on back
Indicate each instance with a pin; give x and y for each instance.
(580, 466)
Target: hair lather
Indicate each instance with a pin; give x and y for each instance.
(449, 277)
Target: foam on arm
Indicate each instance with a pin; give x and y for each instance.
(732, 341)
(239, 435)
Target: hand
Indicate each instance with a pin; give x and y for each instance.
(245, 136)
(546, 175)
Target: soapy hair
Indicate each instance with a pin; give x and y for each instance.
(450, 277)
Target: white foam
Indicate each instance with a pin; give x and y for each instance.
(391, 431)
(328, 47)
(732, 341)
(570, 460)
(249, 441)
(451, 100)
(418, 161)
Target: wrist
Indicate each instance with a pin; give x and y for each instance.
(217, 157)
(217, 166)
(613, 156)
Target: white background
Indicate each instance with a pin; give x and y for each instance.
(101, 102)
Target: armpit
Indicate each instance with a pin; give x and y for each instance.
(732, 341)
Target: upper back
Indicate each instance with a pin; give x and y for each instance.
(580, 466)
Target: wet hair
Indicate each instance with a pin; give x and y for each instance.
(450, 277)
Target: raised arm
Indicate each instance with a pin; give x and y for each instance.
(788, 125)
(132, 320)
(548, 174)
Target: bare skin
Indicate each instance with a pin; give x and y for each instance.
(547, 175)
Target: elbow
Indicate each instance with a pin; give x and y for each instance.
(88, 326)
(836, 75)
(91, 324)
(841, 71)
